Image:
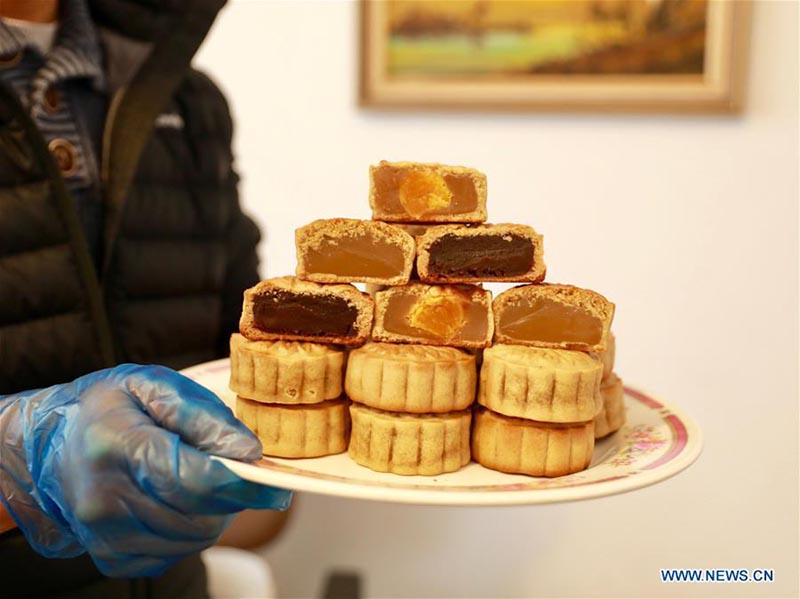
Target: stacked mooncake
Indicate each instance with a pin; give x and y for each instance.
(612, 416)
(413, 376)
(414, 385)
(287, 364)
(539, 385)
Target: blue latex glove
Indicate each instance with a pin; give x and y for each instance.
(115, 464)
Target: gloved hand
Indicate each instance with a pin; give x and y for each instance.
(116, 463)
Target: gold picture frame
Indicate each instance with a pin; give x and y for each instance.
(719, 88)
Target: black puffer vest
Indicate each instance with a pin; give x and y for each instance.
(178, 250)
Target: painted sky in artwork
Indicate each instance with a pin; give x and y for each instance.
(491, 38)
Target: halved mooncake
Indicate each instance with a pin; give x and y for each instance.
(454, 315)
(344, 250)
(557, 316)
(296, 310)
(417, 192)
(473, 254)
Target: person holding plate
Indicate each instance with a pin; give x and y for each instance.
(122, 244)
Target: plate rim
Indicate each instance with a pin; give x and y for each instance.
(655, 472)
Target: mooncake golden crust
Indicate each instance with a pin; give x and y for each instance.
(409, 444)
(612, 417)
(547, 385)
(285, 372)
(592, 302)
(432, 234)
(607, 356)
(320, 231)
(520, 446)
(411, 378)
(299, 431)
(478, 179)
(352, 297)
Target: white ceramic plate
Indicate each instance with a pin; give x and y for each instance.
(657, 442)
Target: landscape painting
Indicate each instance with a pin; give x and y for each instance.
(529, 52)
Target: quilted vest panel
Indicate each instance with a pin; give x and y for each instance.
(164, 288)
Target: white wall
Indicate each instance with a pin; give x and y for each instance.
(690, 224)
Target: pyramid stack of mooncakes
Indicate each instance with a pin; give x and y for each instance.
(412, 378)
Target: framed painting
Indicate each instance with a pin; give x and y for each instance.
(591, 55)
